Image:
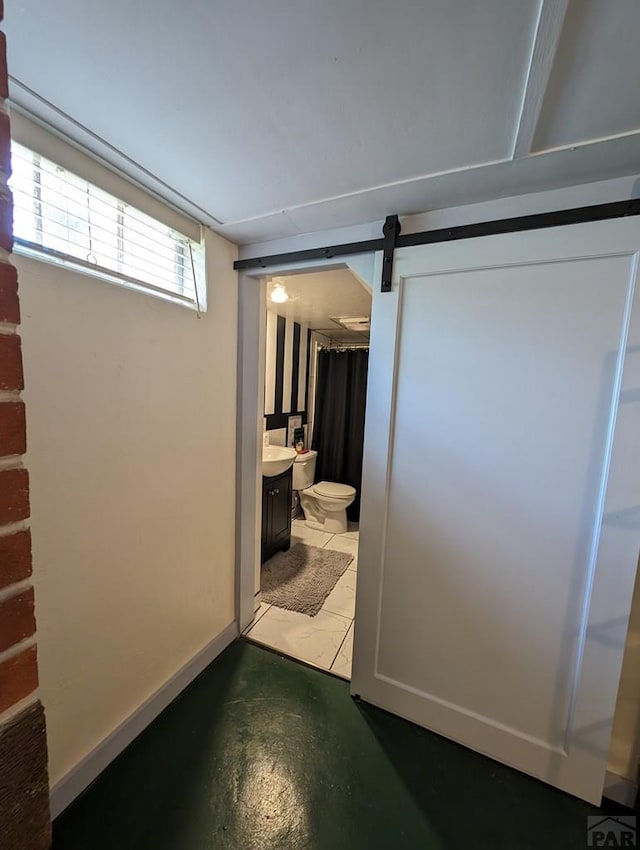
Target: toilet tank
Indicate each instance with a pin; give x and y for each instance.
(304, 469)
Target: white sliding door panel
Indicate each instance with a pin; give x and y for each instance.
(500, 525)
(512, 413)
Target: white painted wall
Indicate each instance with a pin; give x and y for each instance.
(131, 450)
(278, 437)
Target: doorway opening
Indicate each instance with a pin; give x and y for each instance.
(316, 350)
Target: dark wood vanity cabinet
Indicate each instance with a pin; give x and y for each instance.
(276, 513)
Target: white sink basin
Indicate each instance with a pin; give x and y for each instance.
(276, 460)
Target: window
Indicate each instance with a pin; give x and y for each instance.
(63, 218)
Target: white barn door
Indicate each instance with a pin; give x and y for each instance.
(500, 525)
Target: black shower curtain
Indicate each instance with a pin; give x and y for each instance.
(338, 427)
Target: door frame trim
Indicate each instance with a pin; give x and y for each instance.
(252, 308)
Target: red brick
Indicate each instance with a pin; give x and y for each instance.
(25, 820)
(11, 377)
(15, 557)
(4, 83)
(9, 302)
(6, 219)
(17, 620)
(13, 435)
(14, 495)
(18, 677)
(5, 143)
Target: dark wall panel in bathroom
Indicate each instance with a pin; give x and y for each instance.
(295, 366)
(281, 325)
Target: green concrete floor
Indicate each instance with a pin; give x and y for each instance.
(262, 753)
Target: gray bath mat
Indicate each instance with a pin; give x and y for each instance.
(302, 578)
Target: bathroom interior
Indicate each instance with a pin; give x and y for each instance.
(317, 354)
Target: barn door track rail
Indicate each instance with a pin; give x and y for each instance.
(392, 237)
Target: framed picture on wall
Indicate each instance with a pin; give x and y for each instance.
(293, 423)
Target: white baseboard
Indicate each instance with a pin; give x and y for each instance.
(89, 768)
(620, 789)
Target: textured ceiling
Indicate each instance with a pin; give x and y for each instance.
(271, 119)
(315, 299)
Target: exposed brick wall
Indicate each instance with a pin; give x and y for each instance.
(17, 621)
(18, 677)
(24, 816)
(14, 496)
(11, 378)
(9, 305)
(12, 428)
(24, 791)
(15, 557)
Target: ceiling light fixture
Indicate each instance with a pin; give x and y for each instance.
(279, 294)
(352, 323)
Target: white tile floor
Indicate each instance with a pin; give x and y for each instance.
(325, 640)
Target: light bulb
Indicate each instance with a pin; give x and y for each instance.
(279, 294)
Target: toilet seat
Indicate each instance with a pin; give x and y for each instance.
(330, 490)
(325, 506)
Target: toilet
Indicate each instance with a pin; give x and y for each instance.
(324, 504)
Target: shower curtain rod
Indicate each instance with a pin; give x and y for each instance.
(354, 346)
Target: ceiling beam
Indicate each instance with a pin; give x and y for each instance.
(551, 16)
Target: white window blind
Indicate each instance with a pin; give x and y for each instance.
(62, 217)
